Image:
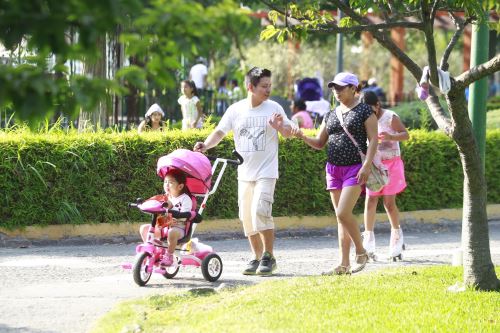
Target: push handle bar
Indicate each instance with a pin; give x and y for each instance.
(237, 161)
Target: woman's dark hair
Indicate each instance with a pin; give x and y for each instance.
(255, 74)
(369, 97)
(192, 85)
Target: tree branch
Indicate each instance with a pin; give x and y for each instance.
(273, 7)
(460, 25)
(384, 40)
(371, 27)
(478, 72)
(429, 42)
(434, 10)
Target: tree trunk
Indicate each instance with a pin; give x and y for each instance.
(92, 119)
(479, 271)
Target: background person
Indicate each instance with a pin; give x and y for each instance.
(198, 73)
(390, 131)
(346, 173)
(299, 114)
(152, 120)
(190, 105)
(255, 122)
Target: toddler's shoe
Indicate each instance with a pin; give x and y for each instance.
(167, 260)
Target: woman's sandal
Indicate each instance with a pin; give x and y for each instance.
(339, 270)
(361, 260)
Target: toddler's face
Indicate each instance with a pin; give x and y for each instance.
(171, 186)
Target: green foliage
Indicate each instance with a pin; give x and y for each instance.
(493, 119)
(493, 103)
(55, 177)
(156, 34)
(421, 303)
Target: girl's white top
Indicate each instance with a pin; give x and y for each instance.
(388, 149)
(189, 109)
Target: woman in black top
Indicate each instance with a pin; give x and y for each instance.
(346, 173)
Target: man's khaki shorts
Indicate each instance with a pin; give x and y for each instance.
(255, 202)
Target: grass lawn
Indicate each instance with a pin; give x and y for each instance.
(410, 299)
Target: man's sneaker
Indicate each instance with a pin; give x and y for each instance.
(361, 260)
(267, 264)
(251, 267)
(167, 260)
(369, 241)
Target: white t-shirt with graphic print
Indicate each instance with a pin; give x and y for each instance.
(254, 138)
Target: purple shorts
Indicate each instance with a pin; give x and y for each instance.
(340, 176)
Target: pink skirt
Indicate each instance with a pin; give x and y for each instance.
(397, 182)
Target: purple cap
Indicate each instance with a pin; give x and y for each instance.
(344, 79)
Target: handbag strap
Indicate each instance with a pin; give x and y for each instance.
(341, 120)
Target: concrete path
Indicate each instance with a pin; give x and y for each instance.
(67, 288)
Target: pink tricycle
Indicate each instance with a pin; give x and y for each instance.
(189, 251)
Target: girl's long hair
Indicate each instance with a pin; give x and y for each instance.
(181, 177)
(192, 85)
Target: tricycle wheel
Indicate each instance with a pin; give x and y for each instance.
(211, 267)
(171, 271)
(142, 269)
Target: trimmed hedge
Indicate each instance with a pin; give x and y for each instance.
(60, 178)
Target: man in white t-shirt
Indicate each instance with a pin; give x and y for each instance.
(255, 122)
(198, 74)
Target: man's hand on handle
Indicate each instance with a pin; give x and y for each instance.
(200, 147)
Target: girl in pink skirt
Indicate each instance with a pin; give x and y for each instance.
(390, 131)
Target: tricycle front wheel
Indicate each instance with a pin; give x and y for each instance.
(142, 269)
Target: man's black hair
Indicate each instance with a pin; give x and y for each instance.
(255, 74)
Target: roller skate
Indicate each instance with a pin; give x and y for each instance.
(396, 245)
(369, 244)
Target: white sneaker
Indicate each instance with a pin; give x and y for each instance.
(369, 241)
(396, 243)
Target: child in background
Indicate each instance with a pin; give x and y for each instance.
(299, 114)
(390, 131)
(190, 105)
(152, 121)
(179, 199)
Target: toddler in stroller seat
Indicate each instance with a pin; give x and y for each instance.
(178, 198)
(174, 216)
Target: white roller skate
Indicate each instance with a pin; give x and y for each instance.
(396, 245)
(369, 244)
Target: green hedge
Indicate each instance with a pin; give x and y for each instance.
(60, 178)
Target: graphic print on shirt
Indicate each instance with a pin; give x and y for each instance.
(252, 134)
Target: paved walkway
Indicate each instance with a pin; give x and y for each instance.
(67, 288)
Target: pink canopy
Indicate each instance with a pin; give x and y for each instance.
(195, 165)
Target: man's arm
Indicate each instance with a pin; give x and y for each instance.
(211, 141)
